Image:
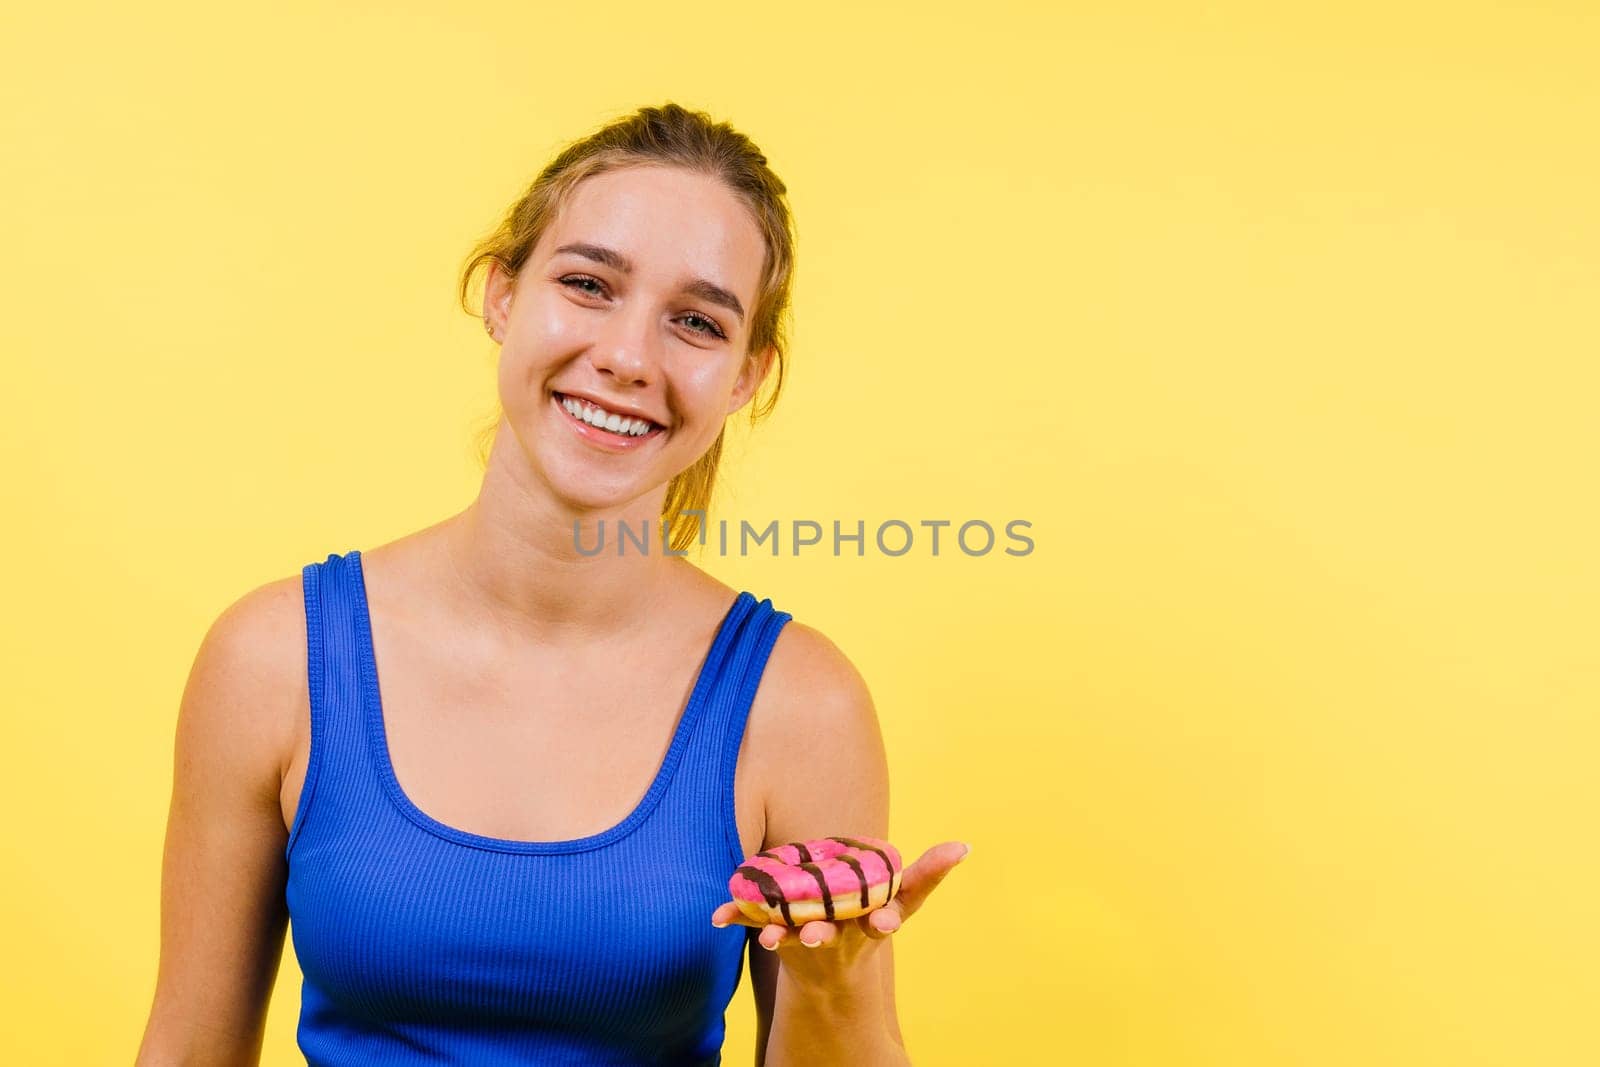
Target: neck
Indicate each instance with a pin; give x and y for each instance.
(517, 559)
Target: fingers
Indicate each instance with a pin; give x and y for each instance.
(728, 913)
(883, 922)
(818, 934)
(923, 876)
(876, 925)
(812, 934)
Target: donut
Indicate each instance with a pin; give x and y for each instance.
(827, 878)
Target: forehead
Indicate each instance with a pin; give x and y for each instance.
(672, 223)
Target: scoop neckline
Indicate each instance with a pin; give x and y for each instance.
(378, 740)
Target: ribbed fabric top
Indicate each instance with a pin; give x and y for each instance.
(424, 944)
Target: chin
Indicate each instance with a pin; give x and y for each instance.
(590, 490)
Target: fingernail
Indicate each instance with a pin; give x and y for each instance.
(717, 924)
(809, 944)
(965, 848)
(769, 948)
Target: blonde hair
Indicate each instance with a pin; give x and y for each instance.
(675, 136)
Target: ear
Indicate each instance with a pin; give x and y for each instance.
(751, 375)
(498, 289)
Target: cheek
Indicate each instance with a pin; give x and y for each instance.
(555, 321)
(535, 342)
(509, 379)
(543, 316)
(520, 376)
(710, 384)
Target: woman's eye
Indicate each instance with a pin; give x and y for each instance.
(578, 281)
(709, 328)
(583, 283)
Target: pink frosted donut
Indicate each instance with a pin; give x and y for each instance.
(828, 878)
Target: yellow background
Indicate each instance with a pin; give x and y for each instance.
(1278, 322)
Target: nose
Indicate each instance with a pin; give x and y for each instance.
(627, 348)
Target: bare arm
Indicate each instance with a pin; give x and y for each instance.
(764, 986)
(834, 778)
(222, 879)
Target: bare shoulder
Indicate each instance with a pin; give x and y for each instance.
(249, 674)
(222, 906)
(809, 668)
(821, 751)
(254, 621)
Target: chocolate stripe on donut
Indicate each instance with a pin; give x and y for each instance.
(861, 876)
(851, 842)
(822, 880)
(805, 856)
(769, 888)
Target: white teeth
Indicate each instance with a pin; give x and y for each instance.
(606, 420)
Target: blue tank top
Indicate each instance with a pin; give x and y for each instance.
(424, 944)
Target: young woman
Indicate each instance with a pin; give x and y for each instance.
(499, 780)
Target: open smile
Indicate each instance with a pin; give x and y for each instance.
(612, 431)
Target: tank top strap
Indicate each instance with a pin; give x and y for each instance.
(338, 759)
(707, 777)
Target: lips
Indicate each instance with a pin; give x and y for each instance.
(609, 407)
(606, 440)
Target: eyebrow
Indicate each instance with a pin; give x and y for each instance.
(700, 287)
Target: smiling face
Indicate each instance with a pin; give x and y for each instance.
(635, 302)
